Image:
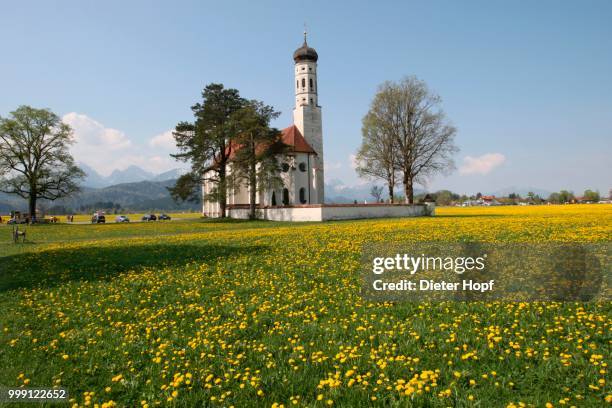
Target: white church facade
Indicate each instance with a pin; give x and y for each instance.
(301, 196)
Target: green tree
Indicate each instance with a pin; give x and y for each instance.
(255, 161)
(554, 198)
(533, 198)
(187, 188)
(566, 196)
(34, 159)
(206, 144)
(590, 195)
(445, 197)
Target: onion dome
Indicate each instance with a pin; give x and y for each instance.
(305, 53)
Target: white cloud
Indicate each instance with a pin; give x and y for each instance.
(353, 161)
(106, 149)
(332, 165)
(164, 140)
(482, 164)
(89, 132)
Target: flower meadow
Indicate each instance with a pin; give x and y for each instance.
(226, 313)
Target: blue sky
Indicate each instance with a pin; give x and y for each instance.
(527, 84)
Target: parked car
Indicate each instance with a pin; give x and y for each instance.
(98, 218)
(149, 217)
(164, 217)
(122, 218)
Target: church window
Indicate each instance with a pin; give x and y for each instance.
(310, 100)
(303, 83)
(285, 196)
(302, 167)
(274, 198)
(285, 167)
(310, 83)
(303, 195)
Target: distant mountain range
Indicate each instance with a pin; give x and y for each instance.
(133, 189)
(138, 196)
(131, 174)
(139, 190)
(151, 195)
(336, 192)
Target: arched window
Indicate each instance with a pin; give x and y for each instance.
(274, 198)
(302, 167)
(303, 82)
(285, 196)
(310, 83)
(303, 195)
(297, 83)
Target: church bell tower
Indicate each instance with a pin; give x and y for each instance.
(307, 112)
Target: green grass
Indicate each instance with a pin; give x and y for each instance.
(257, 313)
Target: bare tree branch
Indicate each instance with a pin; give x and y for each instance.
(406, 127)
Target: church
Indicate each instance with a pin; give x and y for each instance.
(302, 171)
(301, 196)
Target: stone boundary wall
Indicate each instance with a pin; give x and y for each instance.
(330, 212)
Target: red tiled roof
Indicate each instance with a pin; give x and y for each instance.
(291, 136)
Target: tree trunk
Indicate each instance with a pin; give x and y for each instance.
(409, 191)
(252, 182)
(32, 206)
(391, 183)
(222, 191)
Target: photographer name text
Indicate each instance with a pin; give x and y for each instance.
(425, 285)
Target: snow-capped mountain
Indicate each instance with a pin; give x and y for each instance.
(131, 174)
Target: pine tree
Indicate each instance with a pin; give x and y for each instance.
(258, 146)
